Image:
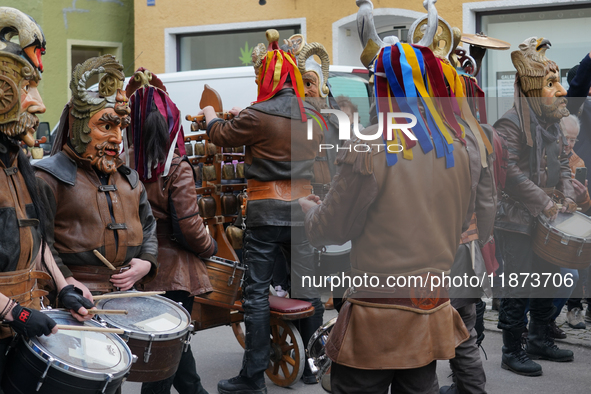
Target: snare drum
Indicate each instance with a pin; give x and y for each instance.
(335, 259)
(69, 362)
(318, 361)
(225, 277)
(566, 241)
(158, 331)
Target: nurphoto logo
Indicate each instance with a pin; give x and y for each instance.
(345, 130)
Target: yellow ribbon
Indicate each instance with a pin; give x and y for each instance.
(412, 60)
(457, 86)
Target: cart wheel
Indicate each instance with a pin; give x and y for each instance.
(239, 333)
(287, 358)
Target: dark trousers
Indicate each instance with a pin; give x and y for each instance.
(519, 258)
(469, 374)
(261, 246)
(4, 344)
(186, 380)
(347, 380)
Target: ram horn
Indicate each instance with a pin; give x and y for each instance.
(309, 50)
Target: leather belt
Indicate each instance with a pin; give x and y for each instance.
(420, 299)
(284, 190)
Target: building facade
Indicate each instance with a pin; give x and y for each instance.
(76, 30)
(180, 35)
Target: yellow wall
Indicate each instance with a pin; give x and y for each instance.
(150, 22)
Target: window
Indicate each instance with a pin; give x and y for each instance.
(399, 31)
(79, 51)
(81, 54)
(557, 24)
(222, 49)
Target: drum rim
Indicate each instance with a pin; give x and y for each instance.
(142, 335)
(543, 220)
(319, 332)
(226, 262)
(326, 252)
(73, 370)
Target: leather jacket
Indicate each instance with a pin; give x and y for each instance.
(182, 238)
(277, 148)
(83, 214)
(402, 220)
(524, 197)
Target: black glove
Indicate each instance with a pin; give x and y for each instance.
(71, 298)
(30, 323)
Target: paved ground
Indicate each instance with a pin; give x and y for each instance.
(573, 337)
(219, 356)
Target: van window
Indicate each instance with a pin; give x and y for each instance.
(356, 88)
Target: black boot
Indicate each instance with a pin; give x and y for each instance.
(514, 357)
(242, 385)
(540, 344)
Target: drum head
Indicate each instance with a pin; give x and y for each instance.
(337, 250)
(83, 352)
(574, 225)
(155, 315)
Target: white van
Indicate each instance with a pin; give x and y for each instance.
(237, 88)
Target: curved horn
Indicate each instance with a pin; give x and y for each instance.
(365, 24)
(311, 49)
(432, 23)
(113, 80)
(27, 29)
(258, 54)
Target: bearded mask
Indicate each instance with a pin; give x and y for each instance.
(93, 121)
(20, 67)
(539, 80)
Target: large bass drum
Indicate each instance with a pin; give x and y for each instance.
(158, 330)
(566, 241)
(318, 361)
(69, 362)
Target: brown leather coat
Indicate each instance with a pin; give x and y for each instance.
(277, 148)
(523, 197)
(80, 219)
(182, 237)
(405, 219)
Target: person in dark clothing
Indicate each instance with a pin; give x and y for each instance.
(279, 160)
(536, 162)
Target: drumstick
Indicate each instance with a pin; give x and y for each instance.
(127, 295)
(560, 206)
(107, 311)
(90, 328)
(103, 259)
(100, 311)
